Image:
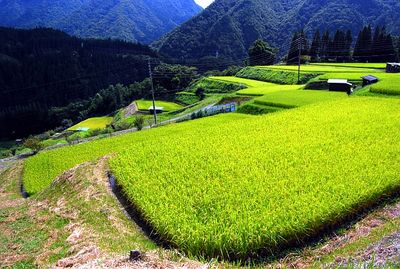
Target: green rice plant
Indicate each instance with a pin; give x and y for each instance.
(212, 86)
(257, 109)
(320, 68)
(187, 98)
(275, 75)
(275, 180)
(92, 123)
(352, 65)
(233, 186)
(357, 77)
(257, 88)
(292, 99)
(144, 105)
(389, 84)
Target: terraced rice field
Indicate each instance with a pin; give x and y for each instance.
(92, 124)
(292, 99)
(322, 68)
(358, 65)
(144, 105)
(234, 186)
(389, 84)
(257, 88)
(280, 76)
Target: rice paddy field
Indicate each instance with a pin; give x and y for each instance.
(216, 86)
(255, 87)
(292, 99)
(323, 68)
(279, 76)
(168, 106)
(234, 186)
(389, 84)
(357, 65)
(92, 124)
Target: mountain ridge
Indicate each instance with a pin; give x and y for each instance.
(140, 20)
(230, 27)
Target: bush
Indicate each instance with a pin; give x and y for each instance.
(34, 144)
(139, 122)
(122, 125)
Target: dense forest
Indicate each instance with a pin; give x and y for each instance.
(134, 20)
(229, 27)
(371, 45)
(44, 68)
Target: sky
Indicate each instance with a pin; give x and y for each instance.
(204, 3)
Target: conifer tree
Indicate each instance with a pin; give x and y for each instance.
(349, 42)
(325, 43)
(293, 51)
(299, 41)
(316, 47)
(362, 49)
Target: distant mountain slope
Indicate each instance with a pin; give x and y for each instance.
(134, 20)
(230, 26)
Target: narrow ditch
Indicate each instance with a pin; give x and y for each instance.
(134, 214)
(23, 192)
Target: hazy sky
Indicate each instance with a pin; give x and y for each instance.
(204, 3)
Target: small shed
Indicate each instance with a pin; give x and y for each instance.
(393, 68)
(159, 109)
(339, 85)
(368, 80)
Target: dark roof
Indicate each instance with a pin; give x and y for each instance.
(370, 78)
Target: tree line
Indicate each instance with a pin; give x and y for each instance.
(371, 45)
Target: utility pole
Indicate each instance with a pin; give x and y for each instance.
(300, 47)
(152, 93)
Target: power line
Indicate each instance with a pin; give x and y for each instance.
(152, 93)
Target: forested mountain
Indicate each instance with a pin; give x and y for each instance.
(229, 27)
(44, 68)
(134, 20)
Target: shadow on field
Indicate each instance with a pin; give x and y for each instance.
(135, 215)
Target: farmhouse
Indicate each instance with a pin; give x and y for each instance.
(339, 85)
(368, 80)
(393, 68)
(159, 109)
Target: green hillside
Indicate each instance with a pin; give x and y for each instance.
(140, 21)
(231, 26)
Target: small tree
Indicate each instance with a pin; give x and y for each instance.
(260, 53)
(34, 144)
(139, 122)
